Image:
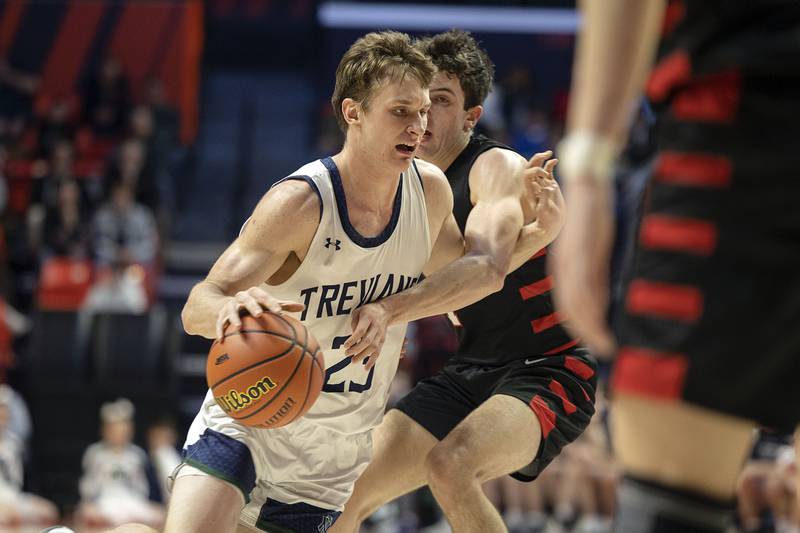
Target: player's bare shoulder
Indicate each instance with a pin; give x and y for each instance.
(288, 213)
(496, 162)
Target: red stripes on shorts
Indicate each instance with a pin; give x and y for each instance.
(649, 373)
(558, 388)
(578, 367)
(546, 416)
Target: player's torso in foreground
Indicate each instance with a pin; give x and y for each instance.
(519, 321)
(343, 270)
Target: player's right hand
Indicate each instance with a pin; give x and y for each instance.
(255, 301)
(580, 265)
(537, 175)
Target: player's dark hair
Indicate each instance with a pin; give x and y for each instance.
(371, 60)
(458, 53)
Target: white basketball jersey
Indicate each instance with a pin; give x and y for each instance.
(344, 270)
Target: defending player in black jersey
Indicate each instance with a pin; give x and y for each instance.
(519, 388)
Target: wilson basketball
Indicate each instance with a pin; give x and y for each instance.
(268, 374)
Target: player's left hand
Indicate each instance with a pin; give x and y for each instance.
(369, 324)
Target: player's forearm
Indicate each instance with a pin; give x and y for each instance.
(531, 239)
(199, 315)
(457, 285)
(614, 55)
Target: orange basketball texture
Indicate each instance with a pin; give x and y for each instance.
(268, 374)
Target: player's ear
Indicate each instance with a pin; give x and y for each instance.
(473, 115)
(351, 110)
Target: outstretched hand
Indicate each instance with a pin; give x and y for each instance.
(542, 202)
(369, 323)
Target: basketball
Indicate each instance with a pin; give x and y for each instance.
(268, 374)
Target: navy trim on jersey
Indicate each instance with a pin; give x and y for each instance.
(341, 205)
(308, 180)
(419, 175)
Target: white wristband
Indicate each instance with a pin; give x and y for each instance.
(584, 155)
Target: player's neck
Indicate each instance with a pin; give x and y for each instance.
(366, 178)
(449, 152)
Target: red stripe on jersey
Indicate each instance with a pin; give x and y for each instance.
(561, 348)
(675, 69)
(535, 289)
(546, 322)
(578, 367)
(694, 170)
(691, 235)
(664, 300)
(537, 255)
(674, 13)
(713, 98)
(546, 416)
(558, 388)
(649, 372)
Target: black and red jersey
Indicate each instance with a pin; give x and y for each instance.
(519, 321)
(712, 50)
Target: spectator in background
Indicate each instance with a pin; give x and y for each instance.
(44, 193)
(167, 119)
(66, 225)
(124, 231)
(17, 508)
(493, 120)
(107, 100)
(16, 100)
(130, 167)
(57, 124)
(114, 486)
(162, 444)
(125, 242)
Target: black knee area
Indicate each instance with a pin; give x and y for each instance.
(648, 507)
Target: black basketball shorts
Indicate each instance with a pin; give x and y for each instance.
(560, 390)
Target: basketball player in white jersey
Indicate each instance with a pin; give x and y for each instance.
(338, 233)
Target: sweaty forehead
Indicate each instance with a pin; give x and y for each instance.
(407, 91)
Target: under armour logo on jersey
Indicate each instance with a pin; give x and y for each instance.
(330, 242)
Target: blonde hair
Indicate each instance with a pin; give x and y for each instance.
(372, 59)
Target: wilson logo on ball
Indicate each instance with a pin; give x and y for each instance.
(234, 401)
